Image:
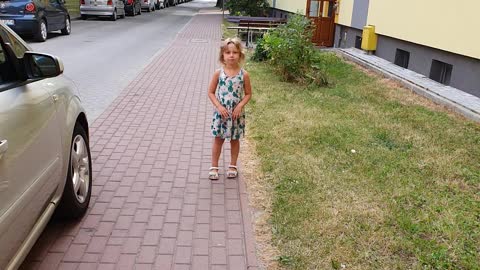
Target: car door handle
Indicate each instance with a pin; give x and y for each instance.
(3, 147)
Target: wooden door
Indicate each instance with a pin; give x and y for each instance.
(322, 13)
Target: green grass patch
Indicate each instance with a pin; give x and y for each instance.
(228, 33)
(365, 175)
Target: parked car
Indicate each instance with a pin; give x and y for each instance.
(159, 4)
(45, 162)
(36, 17)
(172, 2)
(111, 8)
(149, 5)
(133, 7)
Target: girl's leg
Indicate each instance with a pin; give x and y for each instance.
(232, 170)
(235, 145)
(216, 150)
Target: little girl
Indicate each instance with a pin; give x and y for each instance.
(229, 91)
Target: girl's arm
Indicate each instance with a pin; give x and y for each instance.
(211, 94)
(248, 95)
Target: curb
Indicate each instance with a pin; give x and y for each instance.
(250, 243)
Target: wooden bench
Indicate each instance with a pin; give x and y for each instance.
(251, 26)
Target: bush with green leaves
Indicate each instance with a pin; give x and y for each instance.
(248, 7)
(260, 54)
(291, 49)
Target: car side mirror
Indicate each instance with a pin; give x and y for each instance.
(39, 65)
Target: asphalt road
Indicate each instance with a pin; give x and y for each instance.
(103, 56)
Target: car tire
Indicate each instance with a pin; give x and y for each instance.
(42, 33)
(78, 186)
(83, 17)
(68, 27)
(114, 15)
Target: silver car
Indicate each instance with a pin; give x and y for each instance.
(149, 5)
(45, 162)
(112, 8)
(159, 4)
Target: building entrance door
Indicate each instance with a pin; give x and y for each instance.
(322, 13)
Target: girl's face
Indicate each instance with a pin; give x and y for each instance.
(231, 55)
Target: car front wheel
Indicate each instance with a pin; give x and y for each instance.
(68, 27)
(78, 186)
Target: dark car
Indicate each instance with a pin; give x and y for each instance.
(35, 17)
(133, 7)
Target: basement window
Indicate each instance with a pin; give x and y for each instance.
(441, 72)
(358, 42)
(401, 58)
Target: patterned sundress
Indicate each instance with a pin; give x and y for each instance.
(230, 91)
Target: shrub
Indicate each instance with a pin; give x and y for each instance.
(260, 54)
(292, 51)
(248, 7)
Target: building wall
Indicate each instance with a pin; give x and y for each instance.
(345, 12)
(291, 6)
(360, 13)
(442, 24)
(345, 36)
(465, 72)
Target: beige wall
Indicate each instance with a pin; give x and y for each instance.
(345, 10)
(294, 6)
(443, 24)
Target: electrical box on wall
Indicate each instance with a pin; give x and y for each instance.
(369, 38)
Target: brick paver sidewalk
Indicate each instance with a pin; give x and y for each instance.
(153, 206)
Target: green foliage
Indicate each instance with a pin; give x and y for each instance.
(407, 198)
(248, 7)
(290, 48)
(260, 54)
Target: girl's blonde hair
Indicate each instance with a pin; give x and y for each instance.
(235, 41)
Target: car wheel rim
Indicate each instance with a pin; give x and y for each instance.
(67, 24)
(43, 30)
(80, 169)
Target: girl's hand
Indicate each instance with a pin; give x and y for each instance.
(237, 112)
(223, 111)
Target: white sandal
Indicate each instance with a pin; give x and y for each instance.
(232, 173)
(213, 175)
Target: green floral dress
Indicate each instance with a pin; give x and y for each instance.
(230, 91)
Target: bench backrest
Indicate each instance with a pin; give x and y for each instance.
(266, 24)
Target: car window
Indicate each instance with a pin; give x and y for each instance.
(2, 56)
(17, 46)
(7, 73)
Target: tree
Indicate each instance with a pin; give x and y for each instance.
(248, 7)
(219, 3)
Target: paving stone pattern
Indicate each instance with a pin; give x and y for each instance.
(153, 206)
